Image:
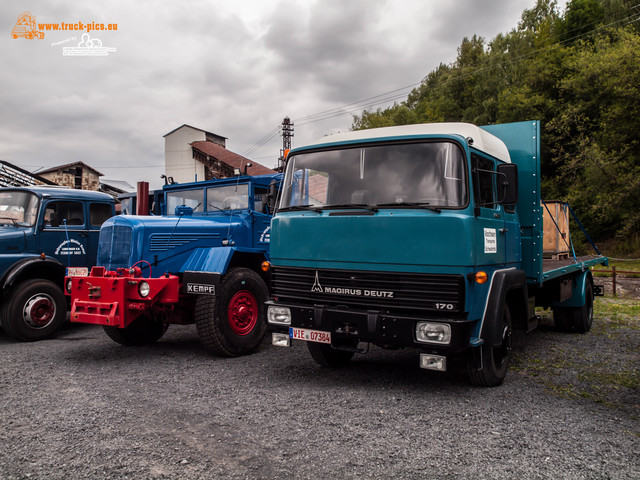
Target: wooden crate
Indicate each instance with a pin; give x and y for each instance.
(555, 243)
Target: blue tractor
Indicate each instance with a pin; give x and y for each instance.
(205, 263)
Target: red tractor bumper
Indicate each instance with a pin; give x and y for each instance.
(118, 298)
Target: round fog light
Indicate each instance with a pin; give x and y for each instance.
(143, 289)
(68, 285)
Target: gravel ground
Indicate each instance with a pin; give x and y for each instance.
(80, 406)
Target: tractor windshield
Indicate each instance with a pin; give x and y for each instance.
(405, 175)
(18, 208)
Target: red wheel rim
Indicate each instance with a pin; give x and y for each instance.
(243, 312)
(39, 311)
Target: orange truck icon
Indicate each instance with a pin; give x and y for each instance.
(26, 27)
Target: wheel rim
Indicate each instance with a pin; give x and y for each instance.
(243, 312)
(39, 311)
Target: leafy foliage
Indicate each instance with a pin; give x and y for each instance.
(579, 73)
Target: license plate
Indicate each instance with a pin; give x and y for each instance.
(309, 335)
(77, 271)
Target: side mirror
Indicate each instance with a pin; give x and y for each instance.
(272, 195)
(508, 183)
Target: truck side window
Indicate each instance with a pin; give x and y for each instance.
(260, 200)
(98, 213)
(483, 181)
(57, 212)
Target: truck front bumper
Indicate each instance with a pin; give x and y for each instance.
(348, 327)
(115, 300)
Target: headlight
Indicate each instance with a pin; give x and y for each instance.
(143, 289)
(279, 315)
(68, 285)
(428, 332)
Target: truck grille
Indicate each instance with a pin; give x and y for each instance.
(386, 290)
(114, 247)
(161, 242)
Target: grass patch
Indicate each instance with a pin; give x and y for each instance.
(600, 366)
(627, 265)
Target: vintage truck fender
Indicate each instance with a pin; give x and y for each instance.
(508, 287)
(578, 290)
(202, 272)
(33, 267)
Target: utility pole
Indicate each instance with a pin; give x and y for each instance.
(287, 134)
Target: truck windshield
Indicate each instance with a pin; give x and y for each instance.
(397, 175)
(18, 208)
(229, 197)
(189, 198)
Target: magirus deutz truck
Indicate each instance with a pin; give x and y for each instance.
(201, 263)
(426, 237)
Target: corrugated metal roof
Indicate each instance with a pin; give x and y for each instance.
(14, 176)
(230, 158)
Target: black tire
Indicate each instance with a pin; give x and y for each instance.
(576, 319)
(142, 331)
(583, 316)
(233, 323)
(563, 319)
(495, 360)
(326, 356)
(34, 311)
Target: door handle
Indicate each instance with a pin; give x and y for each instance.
(503, 230)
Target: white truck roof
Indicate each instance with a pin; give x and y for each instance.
(482, 140)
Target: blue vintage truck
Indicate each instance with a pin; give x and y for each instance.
(205, 262)
(426, 237)
(45, 232)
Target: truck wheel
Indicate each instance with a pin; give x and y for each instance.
(145, 330)
(35, 310)
(576, 319)
(495, 360)
(233, 322)
(328, 357)
(562, 319)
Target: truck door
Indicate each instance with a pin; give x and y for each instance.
(64, 233)
(98, 213)
(490, 223)
(261, 218)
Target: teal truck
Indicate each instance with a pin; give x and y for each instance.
(428, 237)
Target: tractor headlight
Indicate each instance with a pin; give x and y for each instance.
(143, 289)
(68, 285)
(431, 332)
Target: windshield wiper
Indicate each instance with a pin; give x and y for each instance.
(13, 220)
(424, 205)
(355, 206)
(227, 212)
(293, 208)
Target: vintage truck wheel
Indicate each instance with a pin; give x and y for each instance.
(35, 309)
(142, 331)
(233, 322)
(583, 316)
(495, 360)
(576, 319)
(328, 357)
(562, 319)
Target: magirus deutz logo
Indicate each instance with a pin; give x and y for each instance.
(354, 292)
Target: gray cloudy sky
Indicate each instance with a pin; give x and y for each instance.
(232, 68)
